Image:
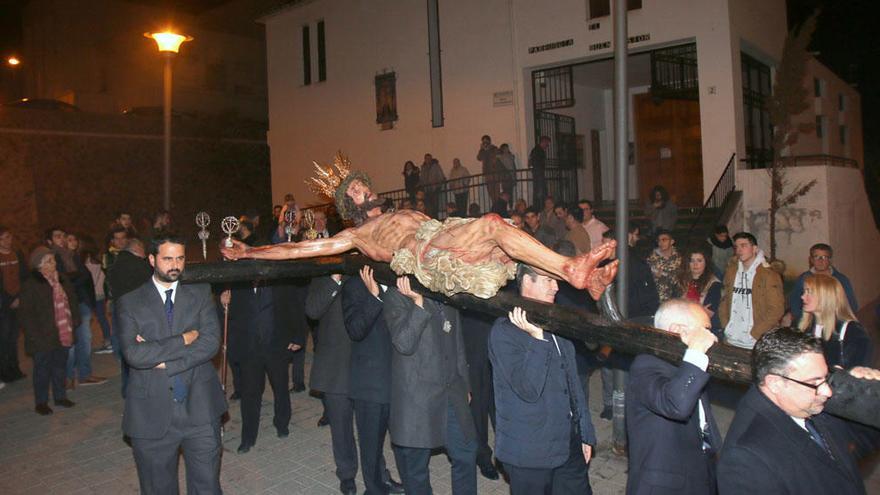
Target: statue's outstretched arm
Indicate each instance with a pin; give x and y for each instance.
(337, 244)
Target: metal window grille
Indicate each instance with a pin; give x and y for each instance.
(756, 85)
(553, 88)
(674, 72)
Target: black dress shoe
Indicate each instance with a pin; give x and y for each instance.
(235, 396)
(65, 403)
(394, 486)
(298, 387)
(283, 432)
(43, 409)
(607, 413)
(488, 471)
(244, 448)
(323, 421)
(348, 487)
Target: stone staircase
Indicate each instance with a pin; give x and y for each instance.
(686, 218)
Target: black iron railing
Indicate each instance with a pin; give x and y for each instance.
(561, 183)
(482, 190)
(725, 185)
(804, 161)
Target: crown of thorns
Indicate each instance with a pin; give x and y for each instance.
(328, 178)
(333, 179)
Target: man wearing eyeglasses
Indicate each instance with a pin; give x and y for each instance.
(673, 437)
(780, 441)
(820, 263)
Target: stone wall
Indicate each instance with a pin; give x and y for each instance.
(77, 170)
(835, 212)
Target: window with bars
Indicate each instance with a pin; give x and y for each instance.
(674, 72)
(553, 88)
(757, 85)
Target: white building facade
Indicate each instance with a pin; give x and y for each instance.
(699, 73)
(493, 55)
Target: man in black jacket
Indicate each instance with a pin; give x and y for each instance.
(13, 271)
(370, 375)
(262, 350)
(330, 374)
(429, 389)
(169, 332)
(781, 441)
(129, 271)
(673, 437)
(538, 163)
(544, 434)
(642, 302)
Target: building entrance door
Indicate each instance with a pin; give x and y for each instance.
(668, 143)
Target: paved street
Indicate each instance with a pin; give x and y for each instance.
(81, 450)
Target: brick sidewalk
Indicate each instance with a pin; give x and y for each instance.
(81, 450)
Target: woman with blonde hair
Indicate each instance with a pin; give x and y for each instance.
(827, 316)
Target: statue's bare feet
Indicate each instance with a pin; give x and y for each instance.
(578, 270)
(601, 278)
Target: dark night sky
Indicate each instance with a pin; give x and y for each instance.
(845, 40)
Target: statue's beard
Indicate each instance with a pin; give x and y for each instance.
(360, 213)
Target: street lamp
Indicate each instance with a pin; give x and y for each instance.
(13, 61)
(168, 44)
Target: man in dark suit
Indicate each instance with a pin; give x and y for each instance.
(673, 437)
(429, 390)
(543, 433)
(169, 333)
(369, 375)
(476, 327)
(262, 350)
(330, 374)
(129, 271)
(781, 441)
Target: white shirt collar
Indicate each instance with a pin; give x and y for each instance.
(800, 422)
(161, 288)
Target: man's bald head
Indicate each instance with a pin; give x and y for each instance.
(677, 314)
(136, 247)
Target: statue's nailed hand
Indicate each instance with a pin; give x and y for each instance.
(236, 252)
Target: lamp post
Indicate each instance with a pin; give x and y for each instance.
(168, 44)
(13, 63)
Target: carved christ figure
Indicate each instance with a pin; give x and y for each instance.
(472, 255)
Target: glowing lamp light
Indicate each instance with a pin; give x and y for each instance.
(13, 61)
(167, 41)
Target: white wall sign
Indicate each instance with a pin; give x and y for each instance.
(502, 98)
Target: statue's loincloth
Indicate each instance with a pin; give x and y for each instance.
(442, 271)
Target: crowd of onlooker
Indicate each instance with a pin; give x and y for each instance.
(54, 292)
(430, 190)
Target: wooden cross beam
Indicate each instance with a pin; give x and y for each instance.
(854, 399)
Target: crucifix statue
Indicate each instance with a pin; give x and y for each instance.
(473, 255)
